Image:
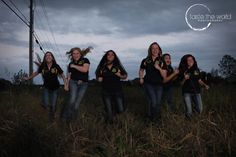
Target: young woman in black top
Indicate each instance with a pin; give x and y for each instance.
(78, 70)
(169, 75)
(191, 81)
(110, 71)
(152, 66)
(50, 71)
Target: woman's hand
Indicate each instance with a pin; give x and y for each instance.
(203, 84)
(100, 79)
(141, 81)
(118, 74)
(207, 87)
(66, 87)
(186, 76)
(156, 65)
(176, 71)
(72, 66)
(25, 78)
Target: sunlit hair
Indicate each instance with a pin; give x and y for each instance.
(183, 65)
(83, 52)
(44, 63)
(150, 49)
(104, 62)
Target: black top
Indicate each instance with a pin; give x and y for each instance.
(192, 85)
(50, 76)
(111, 82)
(169, 70)
(152, 76)
(76, 74)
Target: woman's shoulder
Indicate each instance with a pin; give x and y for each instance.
(70, 62)
(41, 66)
(85, 59)
(145, 59)
(170, 67)
(57, 66)
(194, 69)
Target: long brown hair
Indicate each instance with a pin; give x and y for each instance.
(163, 59)
(183, 65)
(44, 63)
(103, 63)
(150, 49)
(83, 52)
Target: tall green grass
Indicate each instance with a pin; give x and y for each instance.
(26, 131)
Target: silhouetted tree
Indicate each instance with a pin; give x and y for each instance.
(227, 66)
(214, 72)
(17, 78)
(4, 84)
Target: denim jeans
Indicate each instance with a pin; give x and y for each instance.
(154, 93)
(108, 99)
(50, 100)
(168, 96)
(77, 91)
(196, 99)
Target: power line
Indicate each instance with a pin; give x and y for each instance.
(40, 23)
(23, 20)
(37, 40)
(19, 11)
(26, 22)
(40, 26)
(47, 19)
(16, 13)
(50, 29)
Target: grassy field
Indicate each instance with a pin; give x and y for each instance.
(26, 131)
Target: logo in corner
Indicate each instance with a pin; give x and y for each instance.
(199, 17)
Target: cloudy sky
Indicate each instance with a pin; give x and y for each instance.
(126, 26)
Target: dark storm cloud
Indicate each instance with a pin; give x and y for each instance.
(111, 22)
(131, 17)
(138, 17)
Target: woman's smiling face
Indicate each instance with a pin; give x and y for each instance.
(76, 55)
(48, 57)
(155, 50)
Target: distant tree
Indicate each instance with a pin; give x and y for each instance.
(227, 66)
(4, 84)
(17, 78)
(214, 72)
(214, 77)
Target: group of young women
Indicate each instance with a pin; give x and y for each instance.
(156, 75)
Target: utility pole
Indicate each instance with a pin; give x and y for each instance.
(31, 43)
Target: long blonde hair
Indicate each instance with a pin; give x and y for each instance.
(83, 52)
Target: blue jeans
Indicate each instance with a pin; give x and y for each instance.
(196, 99)
(168, 96)
(50, 100)
(77, 91)
(117, 98)
(154, 93)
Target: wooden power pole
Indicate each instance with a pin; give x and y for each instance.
(31, 41)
